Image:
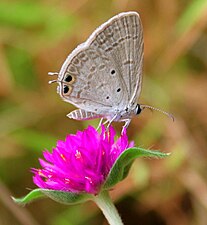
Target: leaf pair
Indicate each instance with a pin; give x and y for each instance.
(117, 173)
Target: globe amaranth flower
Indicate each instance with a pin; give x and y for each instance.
(82, 162)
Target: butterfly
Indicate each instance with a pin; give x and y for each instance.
(102, 77)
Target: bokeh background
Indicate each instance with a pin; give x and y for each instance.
(35, 38)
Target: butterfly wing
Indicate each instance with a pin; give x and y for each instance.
(99, 75)
(135, 56)
(90, 85)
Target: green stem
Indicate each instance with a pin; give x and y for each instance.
(105, 203)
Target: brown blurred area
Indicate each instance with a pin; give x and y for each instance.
(36, 37)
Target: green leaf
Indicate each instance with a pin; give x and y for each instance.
(33, 195)
(58, 196)
(68, 198)
(123, 164)
(118, 172)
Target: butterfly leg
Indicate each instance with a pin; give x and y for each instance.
(109, 121)
(127, 122)
(106, 122)
(100, 123)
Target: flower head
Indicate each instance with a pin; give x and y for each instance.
(82, 162)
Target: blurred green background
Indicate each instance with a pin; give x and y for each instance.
(35, 38)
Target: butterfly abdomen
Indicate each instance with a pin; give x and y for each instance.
(80, 114)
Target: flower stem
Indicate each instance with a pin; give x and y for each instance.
(105, 203)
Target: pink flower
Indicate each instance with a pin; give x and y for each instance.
(82, 162)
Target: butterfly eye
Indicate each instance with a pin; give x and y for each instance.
(138, 109)
(118, 90)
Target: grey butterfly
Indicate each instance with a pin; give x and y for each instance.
(103, 76)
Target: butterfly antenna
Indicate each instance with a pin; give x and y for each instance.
(159, 110)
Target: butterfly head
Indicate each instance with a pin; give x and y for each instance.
(138, 109)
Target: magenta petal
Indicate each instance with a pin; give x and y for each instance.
(82, 162)
(39, 182)
(48, 156)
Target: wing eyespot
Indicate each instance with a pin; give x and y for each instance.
(113, 72)
(69, 78)
(66, 90)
